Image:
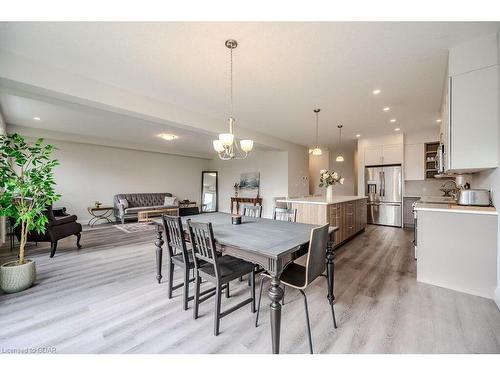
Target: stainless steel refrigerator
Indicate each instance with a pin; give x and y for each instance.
(383, 187)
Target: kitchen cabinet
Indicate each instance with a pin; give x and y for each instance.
(469, 127)
(373, 155)
(383, 154)
(473, 123)
(414, 162)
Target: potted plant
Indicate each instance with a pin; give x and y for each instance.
(328, 180)
(26, 189)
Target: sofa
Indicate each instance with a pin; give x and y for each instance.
(127, 206)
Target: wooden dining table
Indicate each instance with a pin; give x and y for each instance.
(271, 244)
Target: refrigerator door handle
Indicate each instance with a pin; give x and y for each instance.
(382, 184)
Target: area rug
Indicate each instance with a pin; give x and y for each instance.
(135, 227)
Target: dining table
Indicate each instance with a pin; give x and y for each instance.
(271, 244)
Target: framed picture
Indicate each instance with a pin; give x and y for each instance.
(249, 185)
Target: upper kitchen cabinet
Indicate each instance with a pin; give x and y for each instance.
(383, 154)
(414, 161)
(470, 121)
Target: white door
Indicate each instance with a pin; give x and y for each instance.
(373, 155)
(392, 154)
(414, 162)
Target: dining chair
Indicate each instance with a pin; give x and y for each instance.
(216, 269)
(285, 214)
(300, 277)
(280, 204)
(252, 211)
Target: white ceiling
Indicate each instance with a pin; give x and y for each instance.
(282, 70)
(100, 126)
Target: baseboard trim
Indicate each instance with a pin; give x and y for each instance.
(497, 296)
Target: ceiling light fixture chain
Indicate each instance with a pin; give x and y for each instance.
(226, 146)
(317, 150)
(339, 157)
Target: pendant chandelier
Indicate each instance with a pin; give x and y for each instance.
(316, 151)
(227, 146)
(339, 157)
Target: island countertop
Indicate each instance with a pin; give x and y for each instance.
(322, 200)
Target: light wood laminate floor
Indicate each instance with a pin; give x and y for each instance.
(104, 298)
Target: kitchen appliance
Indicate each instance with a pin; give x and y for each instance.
(383, 186)
(474, 197)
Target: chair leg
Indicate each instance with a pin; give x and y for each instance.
(170, 277)
(333, 316)
(196, 300)
(186, 288)
(251, 277)
(307, 321)
(78, 238)
(283, 300)
(258, 303)
(227, 291)
(53, 246)
(241, 278)
(218, 297)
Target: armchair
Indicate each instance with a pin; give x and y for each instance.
(60, 225)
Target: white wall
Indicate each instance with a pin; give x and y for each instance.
(346, 168)
(273, 168)
(298, 171)
(88, 173)
(317, 163)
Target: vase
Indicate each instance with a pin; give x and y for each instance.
(16, 277)
(329, 193)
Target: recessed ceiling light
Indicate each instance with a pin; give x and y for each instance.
(358, 135)
(376, 92)
(168, 137)
(387, 109)
(36, 118)
(439, 120)
(393, 120)
(397, 129)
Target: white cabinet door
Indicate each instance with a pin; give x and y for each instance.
(373, 155)
(392, 154)
(474, 120)
(414, 162)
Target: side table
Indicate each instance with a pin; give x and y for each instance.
(99, 213)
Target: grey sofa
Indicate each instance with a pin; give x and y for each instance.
(137, 202)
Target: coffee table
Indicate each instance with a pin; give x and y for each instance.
(145, 216)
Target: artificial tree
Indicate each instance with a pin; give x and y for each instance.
(26, 184)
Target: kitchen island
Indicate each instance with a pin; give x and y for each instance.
(346, 212)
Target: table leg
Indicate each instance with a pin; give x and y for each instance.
(275, 295)
(159, 252)
(330, 271)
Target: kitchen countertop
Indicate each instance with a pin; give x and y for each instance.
(322, 200)
(454, 208)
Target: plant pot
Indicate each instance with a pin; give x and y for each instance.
(329, 193)
(17, 277)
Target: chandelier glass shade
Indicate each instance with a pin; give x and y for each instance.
(226, 146)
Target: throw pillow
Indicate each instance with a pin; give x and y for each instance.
(170, 201)
(124, 203)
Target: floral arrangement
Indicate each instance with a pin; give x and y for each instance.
(329, 178)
